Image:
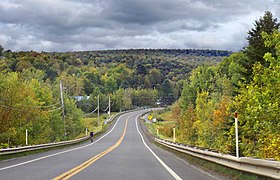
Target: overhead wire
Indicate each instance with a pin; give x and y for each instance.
(104, 110)
(13, 108)
(48, 105)
(55, 109)
(21, 110)
(91, 112)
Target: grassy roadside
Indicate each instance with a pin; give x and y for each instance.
(11, 156)
(153, 129)
(91, 123)
(213, 168)
(164, 124)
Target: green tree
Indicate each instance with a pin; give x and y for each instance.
(73, 117)
(144, 97)
(188, 96)
(73, 84)
(110, 85)
(23, 106)
(256, 49)
(167, 94)
(141, 69)
(1, 50)
(258, 104)
(204, 124)
(155, 77)
(232, 68)
(187, 131)
(203, 78)
(122, 99)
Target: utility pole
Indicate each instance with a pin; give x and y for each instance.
(62, 105)
(236, 134)
(98, 111)
(109, 111)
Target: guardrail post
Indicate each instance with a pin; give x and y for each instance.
(157, 132)
(236, 134)
(86, 131)
(174, 137)
(26, 137)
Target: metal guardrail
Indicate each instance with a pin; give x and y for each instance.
(261, 167)
(51, 145)
(116, 115)
(40, 146)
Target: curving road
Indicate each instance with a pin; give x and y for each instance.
(122, 153)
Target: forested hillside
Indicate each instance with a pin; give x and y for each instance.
(247, 82)
(30, 86)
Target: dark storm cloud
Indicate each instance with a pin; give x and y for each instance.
(63, 25)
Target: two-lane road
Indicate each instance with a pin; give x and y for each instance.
(122, 153)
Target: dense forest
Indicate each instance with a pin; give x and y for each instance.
(30, 87)
(247, 82)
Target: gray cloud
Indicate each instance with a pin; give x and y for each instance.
(66, 25)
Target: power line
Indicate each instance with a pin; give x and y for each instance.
(38, 107)
(13, 108)
(21, 110)
(47, 106)
(104, 110)
(55, 109)
(91, 112)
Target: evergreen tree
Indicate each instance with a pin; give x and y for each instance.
(256, 49)
(167, 93)
(1, 50)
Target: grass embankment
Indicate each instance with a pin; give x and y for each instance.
(16, 155)
(91, 123)
(165, 124)
(213, 168)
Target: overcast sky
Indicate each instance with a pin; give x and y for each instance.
(71, 25)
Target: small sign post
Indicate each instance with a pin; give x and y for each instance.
(236, 133)
(26, 137)
(157, 132)
(174, 137)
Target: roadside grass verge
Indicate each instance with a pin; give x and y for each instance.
(163, 128)
(211, 167)
(33, 152)
(214, 168)
(91, 123)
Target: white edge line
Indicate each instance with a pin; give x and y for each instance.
(154, 154)
(44, 157)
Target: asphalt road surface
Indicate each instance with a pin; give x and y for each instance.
(124, 152)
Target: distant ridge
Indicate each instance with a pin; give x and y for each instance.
(174, 52)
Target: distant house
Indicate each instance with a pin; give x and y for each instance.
(79, 98)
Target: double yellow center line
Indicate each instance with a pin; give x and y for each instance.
(86, 164)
